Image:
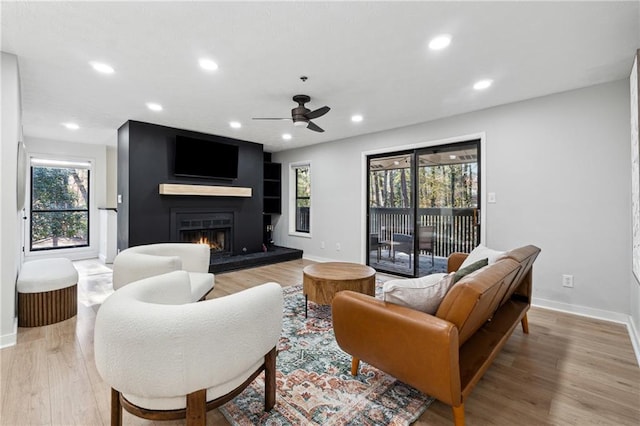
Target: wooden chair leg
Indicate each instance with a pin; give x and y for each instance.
(525, 324)
(458, 415)
(197, 408)
(355, 363)
(116, 408)
(270, 379)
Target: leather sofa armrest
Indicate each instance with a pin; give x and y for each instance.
(415, 347)
(455, 260)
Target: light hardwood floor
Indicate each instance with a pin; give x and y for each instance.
(569, 370)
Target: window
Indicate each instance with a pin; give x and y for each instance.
(301, 178)
(59, 204)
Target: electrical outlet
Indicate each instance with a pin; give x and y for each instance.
(567, 281)
(337, 246)
(322, 245)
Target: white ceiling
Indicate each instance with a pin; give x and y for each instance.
(369, 58)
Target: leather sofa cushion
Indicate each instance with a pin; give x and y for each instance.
(473, 300)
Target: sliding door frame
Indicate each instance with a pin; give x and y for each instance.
(482, 185)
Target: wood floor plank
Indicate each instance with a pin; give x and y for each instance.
(27, 400)
(569, 370)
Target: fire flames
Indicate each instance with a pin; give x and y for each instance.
(213, 245)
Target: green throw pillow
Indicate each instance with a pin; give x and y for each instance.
(462, 272)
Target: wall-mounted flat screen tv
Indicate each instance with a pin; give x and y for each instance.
(202, 158)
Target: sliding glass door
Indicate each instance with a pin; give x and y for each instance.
(391, 213)
(423, 205)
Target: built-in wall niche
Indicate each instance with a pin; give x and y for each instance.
(272, 188)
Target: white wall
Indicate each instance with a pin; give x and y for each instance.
(112, 177)
(97, 154)
(10, 224)
(634, 283)
(559, 166)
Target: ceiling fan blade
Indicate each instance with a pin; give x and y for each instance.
(270, 118)
(314, 127)
(317, 113)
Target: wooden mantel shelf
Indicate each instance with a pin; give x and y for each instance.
(204, 190)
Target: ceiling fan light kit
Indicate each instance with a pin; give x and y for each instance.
(302, 116)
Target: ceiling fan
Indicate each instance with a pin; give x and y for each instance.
(302, 115)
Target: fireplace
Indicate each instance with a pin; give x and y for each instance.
(212, 228)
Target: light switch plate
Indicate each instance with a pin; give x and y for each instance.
(491, 197)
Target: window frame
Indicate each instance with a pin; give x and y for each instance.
(294, 230)
(48, 162)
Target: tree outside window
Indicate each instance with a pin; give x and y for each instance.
(59, 207)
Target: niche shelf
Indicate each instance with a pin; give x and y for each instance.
(272, 192)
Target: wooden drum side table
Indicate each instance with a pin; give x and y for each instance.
(321, 281)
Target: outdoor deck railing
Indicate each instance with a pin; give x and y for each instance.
(456, 229)
(302, 219)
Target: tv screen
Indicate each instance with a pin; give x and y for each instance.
(202, 158)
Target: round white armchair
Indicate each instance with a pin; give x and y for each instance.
(138, 262)
(166, 357)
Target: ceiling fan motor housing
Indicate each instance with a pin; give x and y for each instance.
(298, 116)
(298, 113)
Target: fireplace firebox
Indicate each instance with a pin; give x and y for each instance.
(212, 228)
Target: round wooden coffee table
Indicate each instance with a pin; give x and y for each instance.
(321, 281)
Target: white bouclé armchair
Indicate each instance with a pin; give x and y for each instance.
(138, 262)
(166, 357)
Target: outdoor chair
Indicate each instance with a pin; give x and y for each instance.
(426, 236)
(374, 244)
(402, 243)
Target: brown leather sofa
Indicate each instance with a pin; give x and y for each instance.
(443, 355)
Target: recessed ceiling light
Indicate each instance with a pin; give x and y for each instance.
(396, 163)
(356, 118)
(71, 126)
(154, 107)
(235, 124)
(208, 64)
(286, 136)
(101, 67)
(483, 84)
(440, 42)
(452, 157)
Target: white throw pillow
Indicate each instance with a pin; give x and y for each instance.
(482, 252)
(422, 294)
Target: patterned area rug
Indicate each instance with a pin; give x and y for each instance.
(314, 382)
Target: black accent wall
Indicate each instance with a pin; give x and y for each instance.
(145, 160)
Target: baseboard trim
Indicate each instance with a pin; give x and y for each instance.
(319, 259)
(103, 258)
(584, 311)
(10, 339)
(599, 314)
(635, 339)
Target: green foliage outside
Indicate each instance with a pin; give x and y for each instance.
(453, 186)
(59, 208)
(303, 186)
